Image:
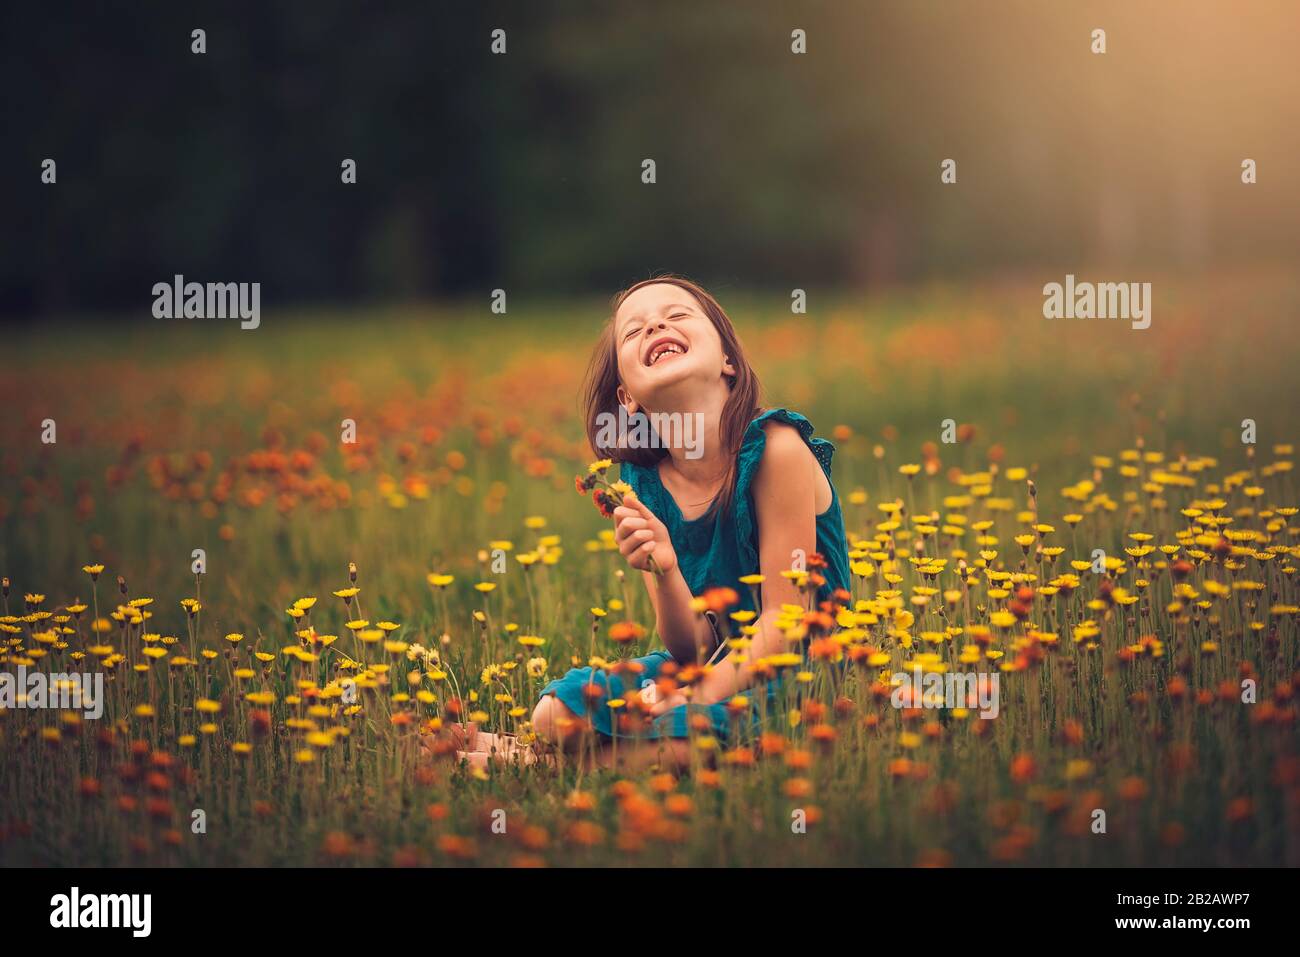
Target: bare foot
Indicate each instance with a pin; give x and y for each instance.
(454, 737)
(464, 734)
(501, 748)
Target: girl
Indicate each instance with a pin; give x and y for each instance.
(755, 494)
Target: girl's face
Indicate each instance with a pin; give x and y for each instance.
(665, 343)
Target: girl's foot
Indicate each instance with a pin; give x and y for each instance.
(454, 737)
(465, 735)
(499, 748)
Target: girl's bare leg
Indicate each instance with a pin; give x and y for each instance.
(554, 722)
(504, 748)
(630, 757)
(556, 725)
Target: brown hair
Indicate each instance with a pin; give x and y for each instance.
(600, 392)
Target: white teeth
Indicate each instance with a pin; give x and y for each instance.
(668, 348)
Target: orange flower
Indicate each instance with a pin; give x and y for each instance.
(740, 757)
(586, 834)
(818, 622)
(453, 845)
(533, 837)
(707, 778)
(1072, 732)
(718, 600)
(825, 649)
(679, 805)
(581, 801)
(1022, 768)
(934, 857)
(626, 631)
(798, 760)
(337, 844)
(798, 788)
(823, 734)
(1240, 809)
(1132, 789)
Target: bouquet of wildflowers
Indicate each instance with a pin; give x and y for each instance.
(606, 495)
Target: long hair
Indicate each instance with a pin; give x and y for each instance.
(600, 392)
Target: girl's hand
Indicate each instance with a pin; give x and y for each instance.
(641, 536)
(664, 705)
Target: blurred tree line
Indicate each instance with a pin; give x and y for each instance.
(524, 170)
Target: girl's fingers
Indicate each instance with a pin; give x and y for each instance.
(638, 539)
(629, 525)
(640, 506)
(631, 499)
(637, 552)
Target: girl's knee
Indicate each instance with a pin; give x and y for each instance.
(552, 719)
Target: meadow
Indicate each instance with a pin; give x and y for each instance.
(355, 595)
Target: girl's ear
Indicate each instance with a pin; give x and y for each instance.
(626, 401)
(728, 368)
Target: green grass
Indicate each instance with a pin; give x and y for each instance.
(134, 402)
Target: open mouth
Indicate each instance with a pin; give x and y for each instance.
(661, 349)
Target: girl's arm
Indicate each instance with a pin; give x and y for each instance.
(686, 635)
(785, 490)
(640, 535)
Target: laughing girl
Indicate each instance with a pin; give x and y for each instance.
(706, 519)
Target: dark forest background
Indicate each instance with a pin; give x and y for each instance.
(478, 171)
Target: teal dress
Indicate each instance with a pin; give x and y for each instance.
(712, 551)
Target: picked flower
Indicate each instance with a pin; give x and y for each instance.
(606, 495)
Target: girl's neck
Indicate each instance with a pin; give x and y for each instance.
(704, 460)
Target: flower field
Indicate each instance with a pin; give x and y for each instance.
(1098, 535)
